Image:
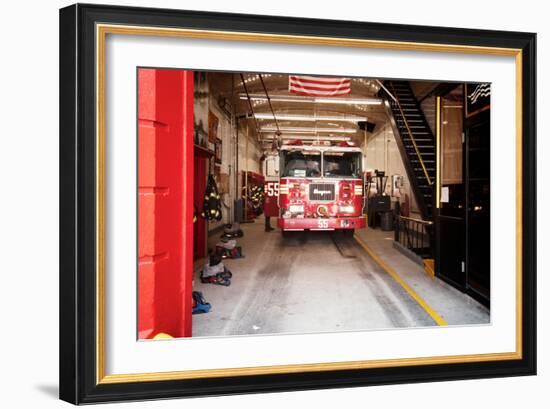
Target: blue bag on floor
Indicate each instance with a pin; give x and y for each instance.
(200, 306)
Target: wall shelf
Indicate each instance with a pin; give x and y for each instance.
(201, 150)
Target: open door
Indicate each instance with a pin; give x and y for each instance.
(199, 188)
(165, 206)
(451, 234)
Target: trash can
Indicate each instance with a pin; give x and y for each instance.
(386, 221)
(238, 210)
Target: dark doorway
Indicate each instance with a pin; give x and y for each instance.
(451, 239)
(463, 228)
(477, 158)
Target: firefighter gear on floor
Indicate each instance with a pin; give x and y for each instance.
(235, 252)
(214, 272)
(227, 248)
(212, 207)
(232, 230)
(200, 306)
(228, 244)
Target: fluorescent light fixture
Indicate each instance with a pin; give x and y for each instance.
(294, 132)
(298, 129)
(310, 118)
(348, 101)
(319, 100)
(312, 138)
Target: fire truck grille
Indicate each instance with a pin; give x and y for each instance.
(321, 191)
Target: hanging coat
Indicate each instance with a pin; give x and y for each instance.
(212, 206)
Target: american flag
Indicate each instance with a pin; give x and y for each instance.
(319, 86)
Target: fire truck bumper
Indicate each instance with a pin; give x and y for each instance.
(336, 223)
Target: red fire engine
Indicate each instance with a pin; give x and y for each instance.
(320, 187)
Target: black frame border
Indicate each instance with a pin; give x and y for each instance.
(78, 197)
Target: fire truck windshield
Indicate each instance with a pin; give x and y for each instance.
(297, 163)
(342, 164)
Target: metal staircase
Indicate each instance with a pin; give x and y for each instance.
(415, 141)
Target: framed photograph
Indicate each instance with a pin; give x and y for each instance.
(388, 233)
(213, 123)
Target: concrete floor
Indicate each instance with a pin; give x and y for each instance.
(306, 283)
(456, 307)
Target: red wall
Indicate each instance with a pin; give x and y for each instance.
(165, 206)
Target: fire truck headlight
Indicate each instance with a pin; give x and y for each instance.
(347, 209)
(296, 208)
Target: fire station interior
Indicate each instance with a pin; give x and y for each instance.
(368, 210)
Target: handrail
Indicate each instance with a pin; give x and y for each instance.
(411, 219)
(387, 91)
(412, 138)
(415, 235)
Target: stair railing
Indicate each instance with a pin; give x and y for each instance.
(412, 137)
(413, 234)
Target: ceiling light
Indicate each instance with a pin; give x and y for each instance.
(349, 101)
(318, 100)
(308, 130)
(310, 118)
(311, 138)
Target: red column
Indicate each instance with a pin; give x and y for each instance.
(165, 205)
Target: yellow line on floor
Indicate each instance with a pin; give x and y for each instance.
(431, 312)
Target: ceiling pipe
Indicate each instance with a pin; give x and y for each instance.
(278, 133)
(269, 101)
(250, 105)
